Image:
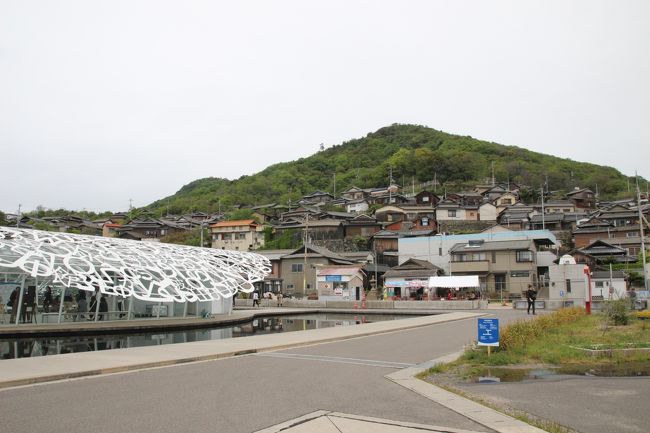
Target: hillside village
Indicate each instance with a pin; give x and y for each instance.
(392, 241)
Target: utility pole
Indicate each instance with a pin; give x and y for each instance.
(374, 250)
(20, 215)
(130, 203)
(543, 224)
(304, 263)
(493, 173)
(390, 183)
(638, 205)
(334, 184)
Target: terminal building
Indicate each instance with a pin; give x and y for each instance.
(50, 277)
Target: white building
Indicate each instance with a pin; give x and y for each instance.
(606, 285)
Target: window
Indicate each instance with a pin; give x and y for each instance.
(506, 201)
(296, 267)
(240, 236)
(425, 199)
(289, 286)
(425, 221)
(524, 256)
(494, 256)
(440, 251)
(451, 213)
(568, 286)
(632, 234)
(459, 257)
(478, 257)
(600, 284)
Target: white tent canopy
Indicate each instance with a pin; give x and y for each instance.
(454, 281)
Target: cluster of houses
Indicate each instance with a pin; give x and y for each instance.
(382, 238)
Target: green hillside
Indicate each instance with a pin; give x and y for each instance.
(415, 153)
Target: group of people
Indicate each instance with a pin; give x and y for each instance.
(75, 307)
(267, 295)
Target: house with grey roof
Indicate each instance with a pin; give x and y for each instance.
(505, 268)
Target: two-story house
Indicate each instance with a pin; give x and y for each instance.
(449, 210)
(241, 235)
(505, 200)
(147, 229)
(559, 206)
(298, 268)
(427, 198)
(362, 225)
(582, 198)
(503, 267)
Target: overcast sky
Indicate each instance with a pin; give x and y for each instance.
(106, 101)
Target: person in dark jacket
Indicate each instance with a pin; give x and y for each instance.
(103, 308)
(531, 296)
(47, 299)
(13, 300)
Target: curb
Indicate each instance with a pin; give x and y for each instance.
(483, 415)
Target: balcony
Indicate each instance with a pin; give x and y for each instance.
(482, 266)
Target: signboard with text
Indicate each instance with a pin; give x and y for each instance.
(488, 332)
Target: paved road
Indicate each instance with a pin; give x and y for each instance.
(586, 404)
(249, 392)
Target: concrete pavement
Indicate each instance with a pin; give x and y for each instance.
(271, 387)
(23, 371)
(249, 392)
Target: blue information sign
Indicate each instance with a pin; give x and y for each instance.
(488, 332)
(332, 278)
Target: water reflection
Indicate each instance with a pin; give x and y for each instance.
(44, 346)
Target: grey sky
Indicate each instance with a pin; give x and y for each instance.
(103, 101)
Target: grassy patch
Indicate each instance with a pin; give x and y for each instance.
(551, 341)
(557, 338)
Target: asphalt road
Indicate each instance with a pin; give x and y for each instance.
(586, 404)
(248, 392)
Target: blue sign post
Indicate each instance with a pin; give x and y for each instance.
(488, 333)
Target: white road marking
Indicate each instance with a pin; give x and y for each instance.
(356, 361)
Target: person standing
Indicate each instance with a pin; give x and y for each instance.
(256, 299)
(47, 299)
(103, 308)
(82, 305)
(279, 297)
(531, 296)
(13, 300)
(632, 295)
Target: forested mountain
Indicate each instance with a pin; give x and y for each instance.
(413, 154)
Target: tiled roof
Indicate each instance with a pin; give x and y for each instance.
(234, 223)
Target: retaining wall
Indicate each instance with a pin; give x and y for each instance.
(380, 305)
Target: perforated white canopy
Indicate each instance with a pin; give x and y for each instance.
(146, 270)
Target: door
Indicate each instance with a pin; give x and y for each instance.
(500, 283)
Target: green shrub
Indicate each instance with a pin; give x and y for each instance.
(617, 312)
